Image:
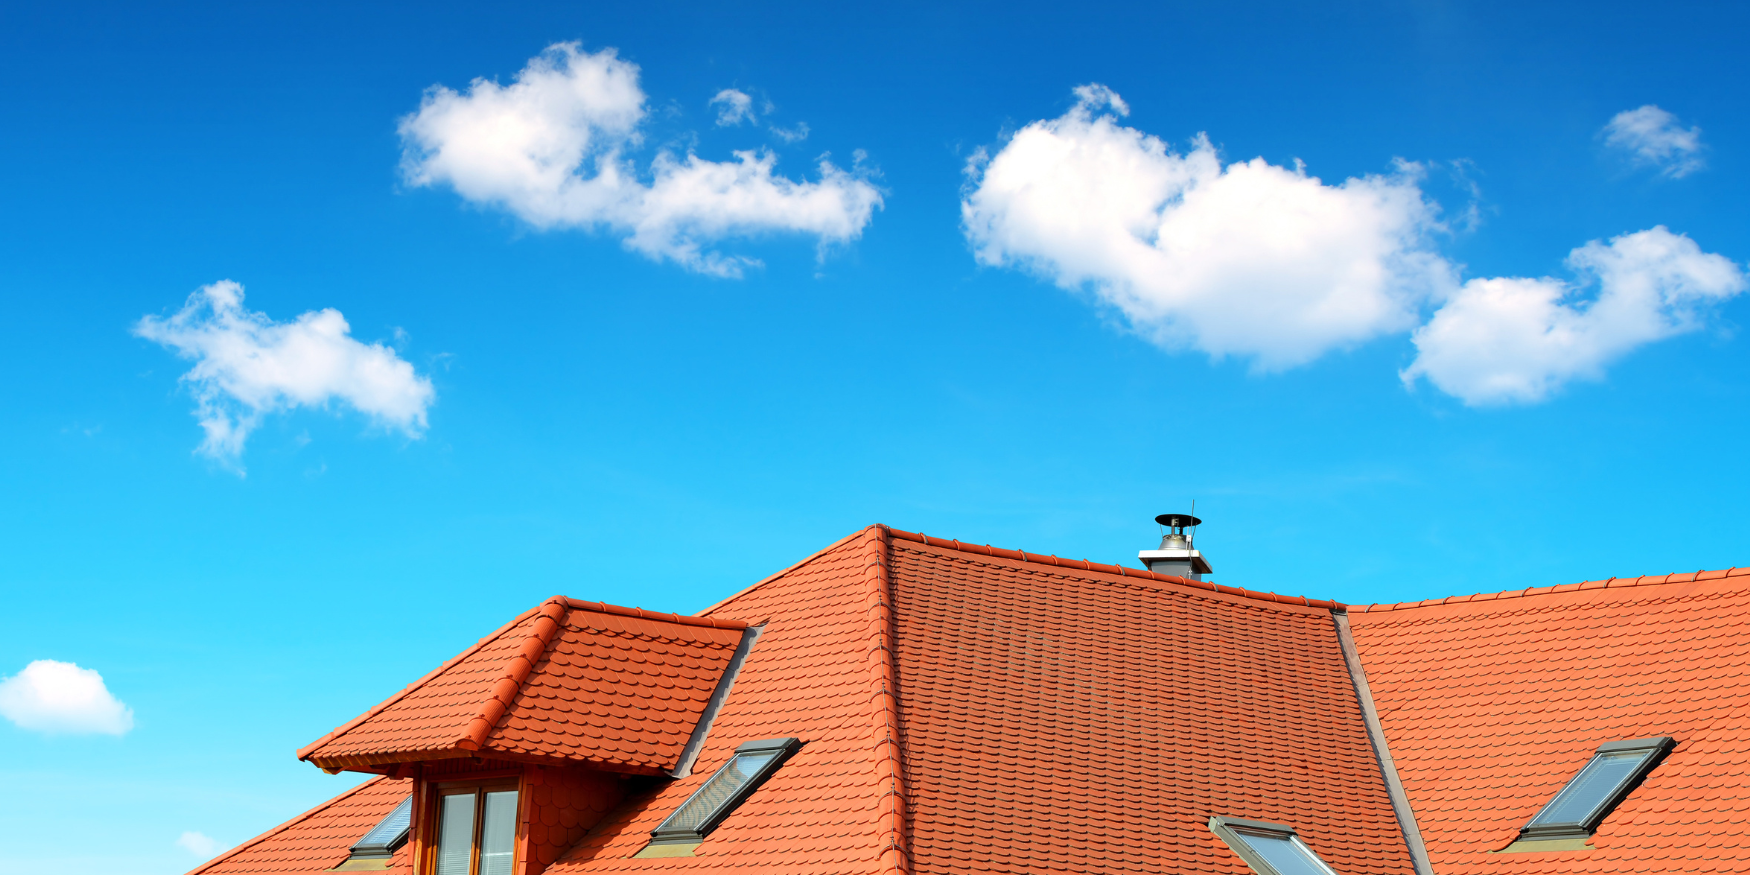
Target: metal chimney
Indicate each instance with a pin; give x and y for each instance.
(1176, 555)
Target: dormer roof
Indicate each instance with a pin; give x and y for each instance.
(620, 689)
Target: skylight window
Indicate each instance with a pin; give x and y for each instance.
(752, 763)
(1615, 769)
(374, 850)
(1269, 848)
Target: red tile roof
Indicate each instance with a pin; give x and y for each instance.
(1491, 703)
(969, 708)
(819, 673)
(618, 688)
(1060, 716)
(319, 838)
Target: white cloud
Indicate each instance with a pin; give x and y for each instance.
(791, 135)
(733, 107)
(1653, 137)
(551, 148)
(247, 366)
(200, 844)
(1251, 259)
(1512, 340)
(51, 696)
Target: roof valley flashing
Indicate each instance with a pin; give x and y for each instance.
(929, 695)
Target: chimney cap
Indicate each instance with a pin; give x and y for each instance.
(1178, 520)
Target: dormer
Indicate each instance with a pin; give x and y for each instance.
(516, 747)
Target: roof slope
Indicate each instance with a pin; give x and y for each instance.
(319, 838)
(816, 673)
(1492, 703)
(617, 688)
(1062, 718)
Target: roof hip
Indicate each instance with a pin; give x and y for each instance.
(878, 594)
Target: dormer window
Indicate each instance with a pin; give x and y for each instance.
(476, 829)
(1615, 769)
(752, 764)
(1269, 848)
(378, 846)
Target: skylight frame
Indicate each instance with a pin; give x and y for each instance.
(1655, 750)
(779, 749)
(1233, 832)
(386, 846)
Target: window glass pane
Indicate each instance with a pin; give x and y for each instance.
(498, 833)
(722, 786)
(1285, 853)
(389, 828)
(1589, 789)
(455, 834)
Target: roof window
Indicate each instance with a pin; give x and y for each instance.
(374, 850)
(1615, 769)
(1269, 848)
(752, 764)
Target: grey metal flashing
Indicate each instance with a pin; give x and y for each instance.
(690, 754)
(1400, 801)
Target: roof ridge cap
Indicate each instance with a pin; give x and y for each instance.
(305, 752)
(516, 671)
(890, 771)
(1086, 565)
(320, 807)
(640, 613)
(1562, 588)
(785, 570)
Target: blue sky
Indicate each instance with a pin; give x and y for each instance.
(536, 392)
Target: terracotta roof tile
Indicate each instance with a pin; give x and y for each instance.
(618, 688)
(1065, 716)
(1491, 705)
(814, 674)
(319, 838)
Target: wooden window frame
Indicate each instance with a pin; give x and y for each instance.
(479, 786)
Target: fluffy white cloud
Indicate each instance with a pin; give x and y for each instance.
(1250, 259)
(1653, 137)
(733, 107)
(247, 366)
(551, 148)
(52, 696)
(199, 844)
(1515, 340)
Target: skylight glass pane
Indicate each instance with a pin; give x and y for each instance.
(498, 833)
(720, 789)
(389, 829)
(1593, 787)
(1286, 854)
(455, 834)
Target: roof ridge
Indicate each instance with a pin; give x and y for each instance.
(1083, 564)
(878, 591)
(640, 613)
(306, 751)
(320, 807)
(516, 670)
(1608, 583)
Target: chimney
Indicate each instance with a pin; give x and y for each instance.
(1175, 555)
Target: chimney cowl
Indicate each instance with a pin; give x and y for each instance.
(1177, 554)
